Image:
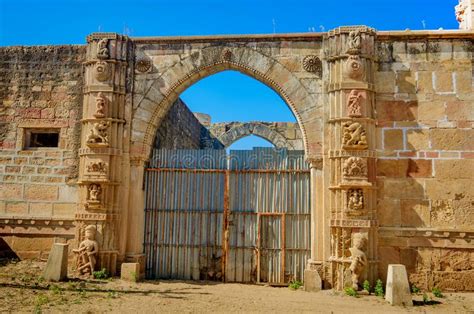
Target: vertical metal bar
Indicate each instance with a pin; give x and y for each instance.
(283, 247)
(225, 238)
(259, 245)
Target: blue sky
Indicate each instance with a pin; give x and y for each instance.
(229, 95)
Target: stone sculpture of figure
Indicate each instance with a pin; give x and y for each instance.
(353, 104)
(87, 253)
(94, 192)
(358, 259)
(102, 50)
(354, 135)
(98, 134)
(355, 200)
(100, 102)
(354, 40)
(460, 9)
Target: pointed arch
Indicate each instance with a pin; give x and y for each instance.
(155, 93)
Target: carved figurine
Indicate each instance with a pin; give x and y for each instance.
(97, 167)
(355, 167)
(354, 136)
(102, 50)
(95, 192)
(354, 104)
(98, 134)
(346, 242)
(87, 253)
(358, 259)
(354, 40)
(355, 199)
(100, 103)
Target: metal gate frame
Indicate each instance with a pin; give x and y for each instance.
(152, 248)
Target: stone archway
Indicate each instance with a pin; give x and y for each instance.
(155, 93)
(156, 90)
(254, 128)
(136, 81)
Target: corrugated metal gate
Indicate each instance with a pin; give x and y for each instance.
(237, 217)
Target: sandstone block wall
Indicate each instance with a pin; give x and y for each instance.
(40, 87)
(425, 113)
(181, 129)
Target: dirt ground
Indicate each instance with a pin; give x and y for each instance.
(23, 290)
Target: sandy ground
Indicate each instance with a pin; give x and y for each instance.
(23, 290)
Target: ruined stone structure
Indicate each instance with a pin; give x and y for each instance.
(385, 119)
(281, 134)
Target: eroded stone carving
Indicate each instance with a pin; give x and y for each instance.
(355, 200)
(143, 65)
(460, 9)
(353, 42)
(313, 64)
(98, 135)
(354, 136)
(102, 50)
(354, 67)
(99, 166)
(102, 71)
(226, 55)
(354, 101)
(355, 167)
(95, 193)
(358, 258)
(100, 103)
(86, 254)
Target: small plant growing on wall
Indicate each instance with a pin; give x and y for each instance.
(378, 290)
(366, 286)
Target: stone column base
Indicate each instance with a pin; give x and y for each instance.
(313, 275)
(137, 258)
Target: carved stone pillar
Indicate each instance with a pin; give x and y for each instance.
(350, 140)
(314, 272)
(103, 141)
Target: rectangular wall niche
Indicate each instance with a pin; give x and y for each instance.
(41, 138)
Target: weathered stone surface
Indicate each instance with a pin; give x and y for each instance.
(393, 139)
(452, 139)
(130, 272)
(397, 291)
(56, 267)
(312, 281)
(454, 168)
(40, 192)
(396, 110)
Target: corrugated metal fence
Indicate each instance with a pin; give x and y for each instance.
(238, 217)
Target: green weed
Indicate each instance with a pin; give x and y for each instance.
(378, 290)
(351, 292)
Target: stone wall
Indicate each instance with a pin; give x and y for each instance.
(425, 112)
(181, 129)
(40, 87)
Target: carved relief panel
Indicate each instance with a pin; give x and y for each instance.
(354, 136)
(354, 168)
